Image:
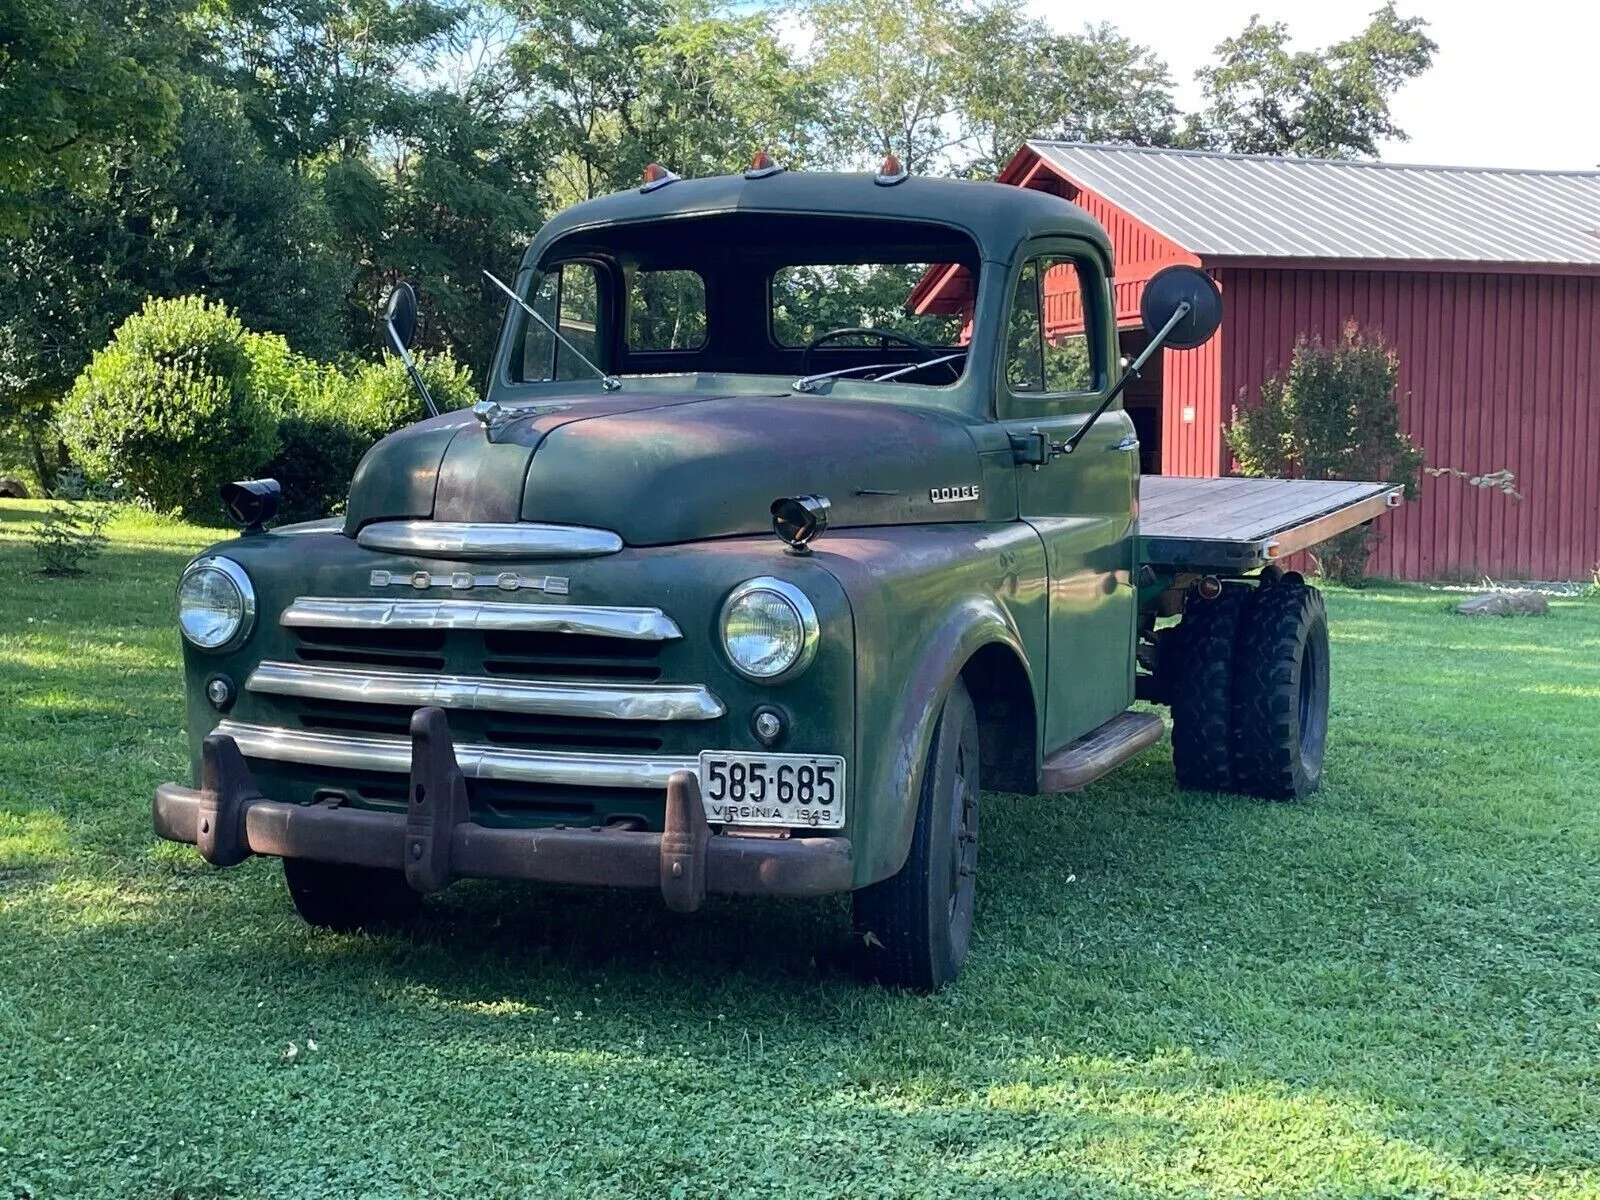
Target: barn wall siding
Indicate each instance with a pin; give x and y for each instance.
(1496, 372)
(1192, 385)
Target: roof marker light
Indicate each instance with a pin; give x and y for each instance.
(891, 172)
(762, 166)
(657, 176)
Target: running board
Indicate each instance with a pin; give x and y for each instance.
(1078, 764)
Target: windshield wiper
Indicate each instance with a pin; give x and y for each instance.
(609, 382)
(810, 381)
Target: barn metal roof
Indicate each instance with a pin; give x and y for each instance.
(1254, 206)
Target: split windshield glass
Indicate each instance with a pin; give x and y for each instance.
(755, 293)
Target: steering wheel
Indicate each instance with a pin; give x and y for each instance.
(884, 336)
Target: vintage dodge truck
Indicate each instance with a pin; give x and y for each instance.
(800, 507)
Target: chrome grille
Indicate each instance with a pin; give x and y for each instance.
(559, 711)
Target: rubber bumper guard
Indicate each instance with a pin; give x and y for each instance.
(436, 841)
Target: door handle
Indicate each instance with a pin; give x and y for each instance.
(1128, 443)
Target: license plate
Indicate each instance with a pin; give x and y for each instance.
(773, 789)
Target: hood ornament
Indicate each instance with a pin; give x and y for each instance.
(494, 416)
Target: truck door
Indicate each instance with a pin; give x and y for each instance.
(1056, 363)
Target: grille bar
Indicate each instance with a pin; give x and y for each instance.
(634, 624)
(616, 701)
(393, 755)
(478, 540)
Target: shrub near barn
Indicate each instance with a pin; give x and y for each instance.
(185, 395)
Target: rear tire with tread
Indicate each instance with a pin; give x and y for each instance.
(342, 897)
(1197, 657)
(1280, 692)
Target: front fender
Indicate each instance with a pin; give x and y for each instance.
(924, 601)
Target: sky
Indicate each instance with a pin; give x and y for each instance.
(1512, 85)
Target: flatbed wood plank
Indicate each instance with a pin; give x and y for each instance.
(1198, 504)
(1227, 511)
(1214, 514)
(1270, 514)
(1228, 522)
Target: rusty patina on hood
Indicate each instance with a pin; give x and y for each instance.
(675, 467)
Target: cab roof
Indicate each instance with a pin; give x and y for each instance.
(996, 216)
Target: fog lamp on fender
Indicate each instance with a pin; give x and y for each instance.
(800, 520)
(251, 503)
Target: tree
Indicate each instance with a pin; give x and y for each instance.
(612, 85)
(892, 76)
(78, 78)
(327, 77)
(1263, 98)
(207, 214)
(1093, 86)
(1334, 414)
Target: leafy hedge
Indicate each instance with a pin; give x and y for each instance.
(174, 404)
(334, 419)
(184, 398)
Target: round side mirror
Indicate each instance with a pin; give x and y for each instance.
(400, 315)
(1170, 288)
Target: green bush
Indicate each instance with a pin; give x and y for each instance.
(331, 421)
(175, 404)
(1334, 414)
(185, 398)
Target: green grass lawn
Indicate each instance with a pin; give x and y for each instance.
(1393, 990)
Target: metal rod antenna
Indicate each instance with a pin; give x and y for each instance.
(411, 369)
(1071, 444)
(609, 382)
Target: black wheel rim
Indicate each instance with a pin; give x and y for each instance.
(963, 845)
(1313, 702)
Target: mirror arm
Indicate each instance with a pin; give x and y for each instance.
(411, 368)
(1137, 365)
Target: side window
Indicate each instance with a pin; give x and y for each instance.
(569, 298)
(666, 310)
(1049, 349)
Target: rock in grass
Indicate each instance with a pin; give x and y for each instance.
(13, 489)
(1505, 604)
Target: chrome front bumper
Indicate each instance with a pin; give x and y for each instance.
(435, 841)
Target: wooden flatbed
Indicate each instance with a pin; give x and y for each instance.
(1238, 525)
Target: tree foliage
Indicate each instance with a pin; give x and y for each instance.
(1263, 98)
(613, 85)
(78, 78)
(1092, 86)
(1333, 414)
(176, 402)
(294, 158)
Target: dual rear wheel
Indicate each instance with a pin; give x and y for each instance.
(1247, 676)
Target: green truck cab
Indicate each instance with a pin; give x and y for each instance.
(800, 508)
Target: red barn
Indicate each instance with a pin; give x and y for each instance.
(1486, 283)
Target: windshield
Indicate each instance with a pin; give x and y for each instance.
(755, 293)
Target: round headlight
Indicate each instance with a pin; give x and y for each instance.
(769, 628)
(216, 604)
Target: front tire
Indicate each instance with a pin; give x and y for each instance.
(915, 927)
(1280, 692)
(342, 897)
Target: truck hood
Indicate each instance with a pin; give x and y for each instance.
(666, 468)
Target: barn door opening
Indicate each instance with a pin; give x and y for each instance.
(1142, 399)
